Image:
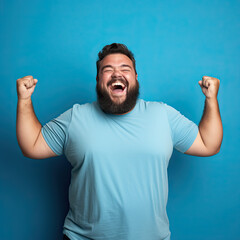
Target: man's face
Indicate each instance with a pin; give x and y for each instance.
(117, 85)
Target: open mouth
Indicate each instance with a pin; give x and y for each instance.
(117, 87)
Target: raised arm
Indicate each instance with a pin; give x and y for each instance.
(209, 138)
(28, 127)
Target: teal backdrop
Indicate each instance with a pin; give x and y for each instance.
(175, 44)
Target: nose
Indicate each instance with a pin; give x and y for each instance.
(116, 73)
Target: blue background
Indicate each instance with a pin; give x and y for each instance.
(175, 43)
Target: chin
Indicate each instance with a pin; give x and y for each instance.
(118, 100)
(117, 104)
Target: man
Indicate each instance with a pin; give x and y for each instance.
(119, 148)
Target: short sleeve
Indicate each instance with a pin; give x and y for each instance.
(184, 131)
(55, 132)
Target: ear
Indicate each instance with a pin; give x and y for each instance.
(136, 77)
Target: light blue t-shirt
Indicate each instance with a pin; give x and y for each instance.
(119, 182)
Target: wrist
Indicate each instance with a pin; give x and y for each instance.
(24, 101)
(211, 99)
(211, 102)
(28, 99)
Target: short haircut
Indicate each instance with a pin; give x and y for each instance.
(115, 48)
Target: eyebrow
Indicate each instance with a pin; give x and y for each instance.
(123, 65)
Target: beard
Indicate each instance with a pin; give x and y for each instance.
(109, 106)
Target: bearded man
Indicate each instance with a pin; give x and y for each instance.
(119, 148)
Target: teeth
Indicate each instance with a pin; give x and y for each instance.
(118, 83)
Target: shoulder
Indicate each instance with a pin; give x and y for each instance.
(85, 110)
(149, 103)
(159, 108)
(85, 107)
(153, 104)
(154, 109)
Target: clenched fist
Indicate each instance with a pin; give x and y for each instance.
(25, 87)
(210, 86)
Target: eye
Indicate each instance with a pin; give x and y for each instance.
(126, 70)
(107, 70)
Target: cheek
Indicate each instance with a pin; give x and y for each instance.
(132, 79)
(102, 79)
(106, 77)
(103, 83)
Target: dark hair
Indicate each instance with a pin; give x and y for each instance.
(115, 48)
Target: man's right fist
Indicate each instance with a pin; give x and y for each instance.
(25, 87)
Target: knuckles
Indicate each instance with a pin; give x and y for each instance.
(210, 78)
(207, 79)
(24, 79)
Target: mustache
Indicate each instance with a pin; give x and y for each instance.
(113, 80)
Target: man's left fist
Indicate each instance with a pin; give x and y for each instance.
(209, 86)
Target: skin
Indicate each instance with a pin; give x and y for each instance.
(28, 127)
(116, 66)
(209, 138)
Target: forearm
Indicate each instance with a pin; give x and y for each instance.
(28, 127)
(210, 126)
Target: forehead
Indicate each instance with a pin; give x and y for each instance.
(116, 59)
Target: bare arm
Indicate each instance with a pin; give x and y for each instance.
(28, 127)
(209, 138)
